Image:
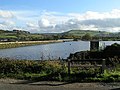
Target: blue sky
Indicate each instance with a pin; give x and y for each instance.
(65, 6)
(60, 15)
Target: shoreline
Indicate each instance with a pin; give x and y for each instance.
(31, 41)
(5, 45)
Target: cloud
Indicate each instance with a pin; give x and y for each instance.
(46, 21)
(114, 22)
(8, 23)
(106, 21)
(115, 13)
(30, 24)
(2, 26)
(6, 14)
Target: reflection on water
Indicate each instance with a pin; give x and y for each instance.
(48, 51)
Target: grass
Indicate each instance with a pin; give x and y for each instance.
(53, 71)
(2, 36)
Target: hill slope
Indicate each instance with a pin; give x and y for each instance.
(83, 32)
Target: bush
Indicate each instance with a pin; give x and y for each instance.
(53, 70)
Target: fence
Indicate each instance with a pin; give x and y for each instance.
(77, 63)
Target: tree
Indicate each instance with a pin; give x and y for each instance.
(87, 37)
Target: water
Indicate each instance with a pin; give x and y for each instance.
(48, 51)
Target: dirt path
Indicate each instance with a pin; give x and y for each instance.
(11, 84)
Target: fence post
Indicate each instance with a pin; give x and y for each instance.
(103, 65)
(69, 67)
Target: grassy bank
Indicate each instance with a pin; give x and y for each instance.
(4, 45)
(54, 71)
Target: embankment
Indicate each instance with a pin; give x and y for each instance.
(4, 45)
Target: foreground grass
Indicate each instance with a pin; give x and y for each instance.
(53, 71)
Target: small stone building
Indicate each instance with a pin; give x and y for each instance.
(96, 45)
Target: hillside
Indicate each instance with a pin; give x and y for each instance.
(20, 35)
(15, 35)
(83, 32)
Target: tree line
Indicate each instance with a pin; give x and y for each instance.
(18, 35)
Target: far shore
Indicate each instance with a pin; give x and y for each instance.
(4, 45)
(47, 41)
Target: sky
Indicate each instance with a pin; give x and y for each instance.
(56, 16)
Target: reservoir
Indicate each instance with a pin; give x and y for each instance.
(49, 51)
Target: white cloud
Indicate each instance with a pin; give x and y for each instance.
(8, 23)
(30, 24)
(6, 14)
(115, 13)
(114, 29)
(2, 26)
(87, 21)
(18, 28)
(88, 27)
(46, 21)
